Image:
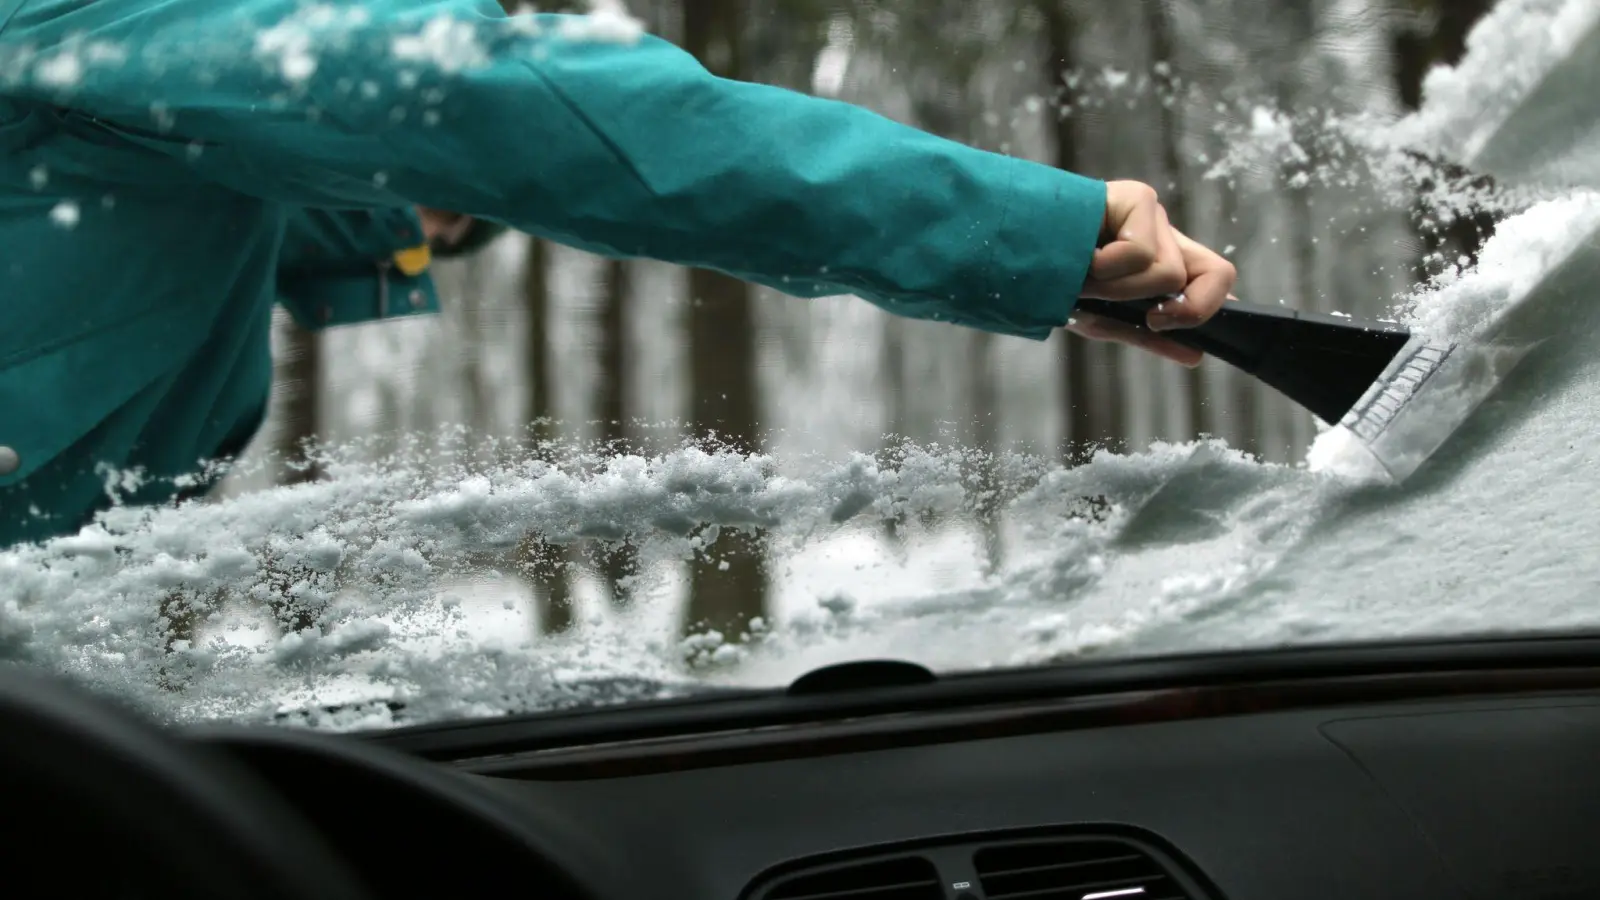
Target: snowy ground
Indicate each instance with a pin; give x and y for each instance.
(1189, 546)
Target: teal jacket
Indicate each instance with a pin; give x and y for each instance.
(171, 170)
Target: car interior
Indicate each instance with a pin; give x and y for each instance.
(1447, 769)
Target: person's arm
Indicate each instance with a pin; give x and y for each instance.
(317, 240)
(628, 149)
(343, 267)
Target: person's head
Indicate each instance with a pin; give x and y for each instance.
(452, 234)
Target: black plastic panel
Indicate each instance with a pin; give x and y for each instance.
(1397, 801)
(1264, 806)
(1509, 797)
(1064, 863)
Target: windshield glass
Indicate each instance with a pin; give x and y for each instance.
(599, 475)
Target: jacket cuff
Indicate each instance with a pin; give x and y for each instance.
(1044, 246)
(328, 301)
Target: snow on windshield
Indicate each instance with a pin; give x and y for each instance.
(1176, 546)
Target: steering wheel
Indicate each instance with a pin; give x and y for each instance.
(85, 776)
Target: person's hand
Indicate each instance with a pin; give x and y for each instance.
(1141, 256)
(440, 227)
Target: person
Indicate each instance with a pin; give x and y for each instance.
(172, 170)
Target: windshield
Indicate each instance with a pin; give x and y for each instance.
(596, 475)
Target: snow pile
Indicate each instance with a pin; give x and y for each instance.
(1521, 293)
(381, 556)
(374, 556)
(1511, 49)
(1513, 266)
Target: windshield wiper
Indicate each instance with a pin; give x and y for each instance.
(860, 675)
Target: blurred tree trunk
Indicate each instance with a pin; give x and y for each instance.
(1093, 409)
(985, 398)
(1246, 406)
(728, 587)
(470, 362)
(1300, 24)
(299, 378)
(1158, 25)
(894, 378)
(1435, 33)
(1304, 250)
(542, 563)
(616, 561)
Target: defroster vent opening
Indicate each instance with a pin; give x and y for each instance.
(899, 878)
(1076, 869)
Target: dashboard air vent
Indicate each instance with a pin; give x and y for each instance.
(1075, 869)
(899, 878)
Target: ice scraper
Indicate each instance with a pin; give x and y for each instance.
(1400, 395)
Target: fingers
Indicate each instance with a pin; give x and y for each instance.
(1143, 256)
(1210, 281)
(1141, 260)
(1096, 328)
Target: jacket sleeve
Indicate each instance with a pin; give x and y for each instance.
(345, 267)
(340, 240)
(621, 147)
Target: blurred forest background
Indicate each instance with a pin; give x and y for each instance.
(540, 342)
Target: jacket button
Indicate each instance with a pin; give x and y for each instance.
(10, 462)
(418, 299)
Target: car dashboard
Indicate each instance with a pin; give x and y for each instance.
(1466, 771)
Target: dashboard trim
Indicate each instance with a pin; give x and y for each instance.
(738, 746)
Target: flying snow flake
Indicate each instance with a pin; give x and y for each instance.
(289, 43)
(299, 66)
(62, 70)
(446, 43)
(295, 44)
(608, 21)
(65, 214)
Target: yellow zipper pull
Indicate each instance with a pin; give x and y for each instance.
(414, 261)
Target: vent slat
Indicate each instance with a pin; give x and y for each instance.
(860, 892)
(1072, 869)
(1076, 888)
(1027, 870)
(1071, 866)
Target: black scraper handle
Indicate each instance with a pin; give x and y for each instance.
(1324, 363)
